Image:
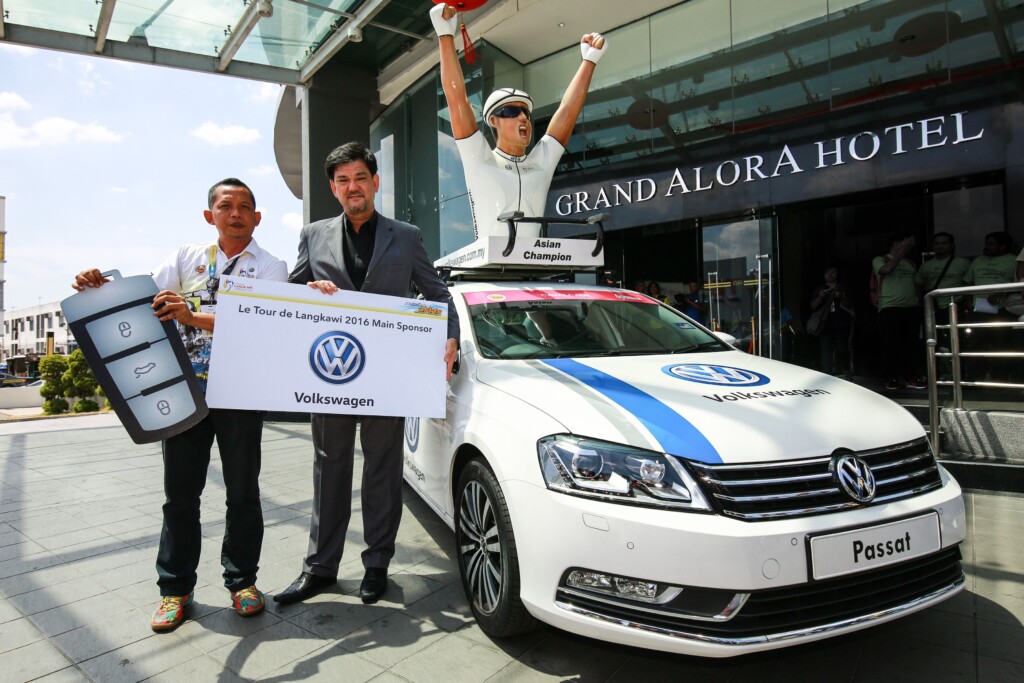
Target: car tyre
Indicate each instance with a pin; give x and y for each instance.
(487, 556)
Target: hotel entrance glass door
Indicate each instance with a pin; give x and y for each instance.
(740, 282)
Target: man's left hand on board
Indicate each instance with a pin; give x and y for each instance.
(170, 305)
(325, 286)
(451, 350)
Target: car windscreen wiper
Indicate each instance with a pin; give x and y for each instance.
(710, 345)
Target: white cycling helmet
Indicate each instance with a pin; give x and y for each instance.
(503, 96)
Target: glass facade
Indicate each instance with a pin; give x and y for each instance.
(780, 137)
(701, 80)
(707, 69)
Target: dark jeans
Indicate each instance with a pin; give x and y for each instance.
(186, 459)
(990, 339)
(835, 350)
(902, 350)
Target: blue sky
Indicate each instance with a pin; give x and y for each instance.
(107, 164)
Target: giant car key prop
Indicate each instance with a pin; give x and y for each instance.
(139, 361)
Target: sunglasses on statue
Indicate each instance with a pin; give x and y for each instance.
(511, 111)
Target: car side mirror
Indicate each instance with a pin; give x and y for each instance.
(727, 338)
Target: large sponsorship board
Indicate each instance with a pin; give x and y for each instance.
(291, 348)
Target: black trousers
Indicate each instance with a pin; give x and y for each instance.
(186, 460)
(835, 350)
(381, 491)
(992, 339)
(902, 349)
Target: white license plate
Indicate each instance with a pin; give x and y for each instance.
(860, 550)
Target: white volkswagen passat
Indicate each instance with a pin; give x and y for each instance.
(612, 468)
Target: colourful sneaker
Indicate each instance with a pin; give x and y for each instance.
(247, 602)
(171, 612)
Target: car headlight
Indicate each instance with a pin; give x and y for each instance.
(617, 473)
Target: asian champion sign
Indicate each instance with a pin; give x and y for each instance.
(291, 348)
(535, 252)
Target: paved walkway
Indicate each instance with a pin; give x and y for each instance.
(80, 518)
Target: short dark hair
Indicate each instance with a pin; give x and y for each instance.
(1002, 238)
(347, 153)
(228, 182)
(896, 237)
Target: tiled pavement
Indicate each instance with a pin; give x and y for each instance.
(80, 516)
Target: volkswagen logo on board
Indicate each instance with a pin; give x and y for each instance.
(853, 476)
(722, 375)
(412, 433)
(337, 357)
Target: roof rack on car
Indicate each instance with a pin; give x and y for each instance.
(534, 254)
(514, 217)
(518, 274)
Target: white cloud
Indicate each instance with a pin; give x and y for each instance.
(11, 100)
(52, 131)
(22, 50)
(114, 188)
(292, 221)
(220, 136)
(90, 79)
(266, 92)
(261, 170)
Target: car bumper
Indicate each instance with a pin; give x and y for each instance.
(702, 553)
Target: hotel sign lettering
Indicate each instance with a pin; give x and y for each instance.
(668, 185)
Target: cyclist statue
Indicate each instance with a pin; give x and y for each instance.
(506, 178)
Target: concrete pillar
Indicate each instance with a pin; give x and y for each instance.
(337, 107)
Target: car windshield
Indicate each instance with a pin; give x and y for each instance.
(554, 323)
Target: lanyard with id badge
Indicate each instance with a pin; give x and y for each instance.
(198, 342)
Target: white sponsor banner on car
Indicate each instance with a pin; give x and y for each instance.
(876, 546)
(291, 348)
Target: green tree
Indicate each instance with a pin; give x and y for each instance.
(80, 383)
(52, 370)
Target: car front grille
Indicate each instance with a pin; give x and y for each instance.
(794, 610)
(797, 488)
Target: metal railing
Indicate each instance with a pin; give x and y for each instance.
(955, 354)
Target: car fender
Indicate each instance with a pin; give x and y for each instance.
(504, 429)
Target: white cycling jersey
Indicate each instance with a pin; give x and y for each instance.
(500, 182)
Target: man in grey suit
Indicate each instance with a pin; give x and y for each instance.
(363, 251)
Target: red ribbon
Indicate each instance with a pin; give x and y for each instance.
(467, 46)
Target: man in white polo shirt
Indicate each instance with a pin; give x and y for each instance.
(188, 281)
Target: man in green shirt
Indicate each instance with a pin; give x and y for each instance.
(899, 314)
(943, 272)
(996, 265)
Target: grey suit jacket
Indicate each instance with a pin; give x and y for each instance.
(399, 258)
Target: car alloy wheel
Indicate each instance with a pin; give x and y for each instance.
(480, 550)
(488, 560)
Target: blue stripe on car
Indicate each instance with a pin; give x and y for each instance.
(675, 433)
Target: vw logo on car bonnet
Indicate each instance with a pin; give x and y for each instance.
(853, 476)
(722, 375)
(337, 357)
